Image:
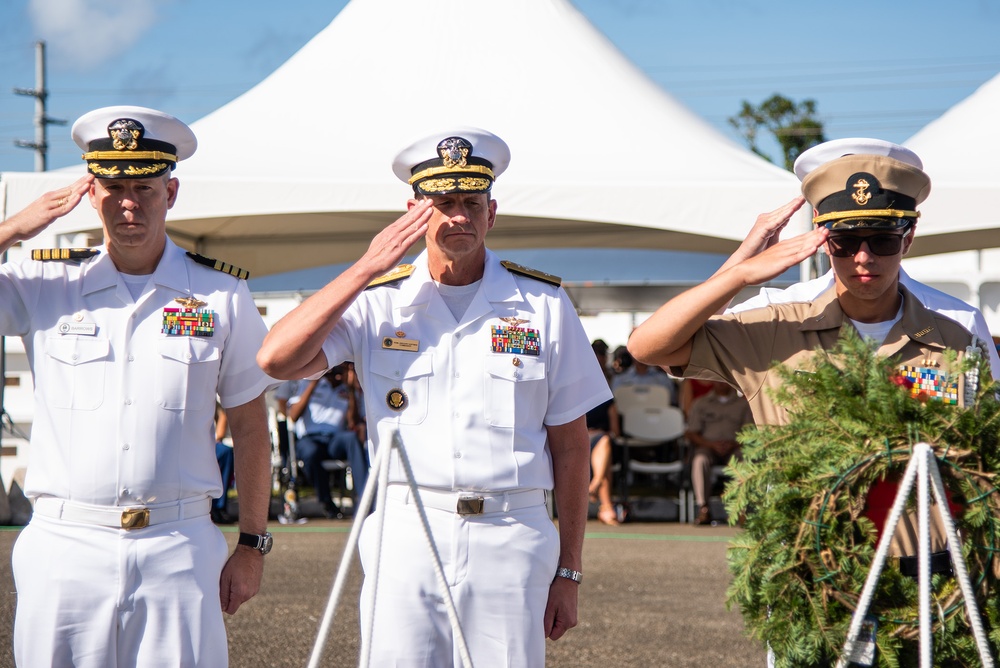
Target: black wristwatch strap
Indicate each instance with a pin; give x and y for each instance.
(261, 543)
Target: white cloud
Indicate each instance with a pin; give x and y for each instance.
(84, 34)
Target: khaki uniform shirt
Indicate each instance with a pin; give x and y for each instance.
(741, 348)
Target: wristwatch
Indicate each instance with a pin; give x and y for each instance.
(569, 574)
(261, 543)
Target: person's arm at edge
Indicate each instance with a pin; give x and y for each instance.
(32, 219)
(242, 574)
(294, 347)
(569, 446)
(665, 338)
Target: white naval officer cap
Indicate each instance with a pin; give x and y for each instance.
(128, 142)
(462, 159)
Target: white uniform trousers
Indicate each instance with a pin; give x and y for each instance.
(498, 566)
(96, 597)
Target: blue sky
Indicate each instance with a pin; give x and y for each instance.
(880, 68)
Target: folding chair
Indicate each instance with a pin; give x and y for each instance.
(649, 420)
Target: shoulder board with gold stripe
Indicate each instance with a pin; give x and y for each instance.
(401, 272)
(531, 273)
(219, 265)
(46, 254)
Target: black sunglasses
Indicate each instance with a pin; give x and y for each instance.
(847, 245)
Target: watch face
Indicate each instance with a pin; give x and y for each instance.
(266, 543)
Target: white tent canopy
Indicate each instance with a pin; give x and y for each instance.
(296, 172)
(959, 151)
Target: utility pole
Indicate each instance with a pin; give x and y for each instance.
(42, 120)
(41, 148)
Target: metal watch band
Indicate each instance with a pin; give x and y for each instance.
(569, 574)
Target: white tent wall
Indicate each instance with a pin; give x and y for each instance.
(296, 172)
(960, 220)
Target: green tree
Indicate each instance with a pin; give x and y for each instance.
(793, 124)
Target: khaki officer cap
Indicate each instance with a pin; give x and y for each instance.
(863, 183)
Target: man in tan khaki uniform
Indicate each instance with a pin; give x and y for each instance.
(864, 195)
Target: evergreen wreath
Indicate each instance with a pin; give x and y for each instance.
(801, 563)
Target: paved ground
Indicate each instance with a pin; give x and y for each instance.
(653, 597)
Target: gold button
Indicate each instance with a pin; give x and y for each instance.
(516, 361)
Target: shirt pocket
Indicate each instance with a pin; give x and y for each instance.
(394, 371)
(75, 376)
(187, 372)
(514, 390)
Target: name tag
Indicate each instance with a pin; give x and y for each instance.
(86, 328)
(410, 345)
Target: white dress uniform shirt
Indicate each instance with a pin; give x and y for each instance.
(941, 302)
(473, 419)
(123, 412)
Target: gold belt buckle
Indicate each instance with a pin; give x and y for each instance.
(470, 505)
(135, 518)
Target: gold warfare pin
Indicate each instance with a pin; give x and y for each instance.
(190, 302)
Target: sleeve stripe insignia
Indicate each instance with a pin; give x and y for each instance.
(531, 273)
(45, 254)
(219, 265)
(398, 274)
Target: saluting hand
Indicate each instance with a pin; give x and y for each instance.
(391, 244)
(783, 256)
(766, 230)
(41, 213)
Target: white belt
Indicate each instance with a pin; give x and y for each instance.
(136, 517)
(470, 503)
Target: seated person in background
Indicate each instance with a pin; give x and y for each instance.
(638, 373)
(227, 462)
(320, 408)
(691, 389)
(602, 426)
(712, 426)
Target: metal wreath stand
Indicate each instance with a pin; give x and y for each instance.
(381, 466)
(922, 467)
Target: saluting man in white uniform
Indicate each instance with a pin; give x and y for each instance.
(484, 369)
(129, 344)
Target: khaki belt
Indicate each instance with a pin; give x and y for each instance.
(470, 503)
(127, 518)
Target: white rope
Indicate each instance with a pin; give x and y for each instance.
(371, 578)
(381, 467)
(961, 571)
(880, 555)
(345, 563)
(921, 454)
(456, 625)
(924, 463)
